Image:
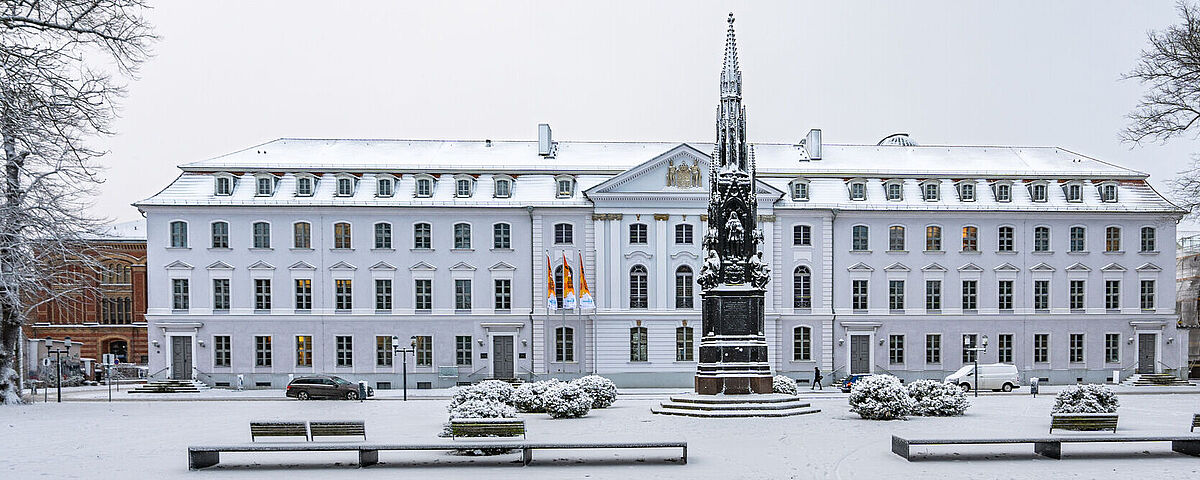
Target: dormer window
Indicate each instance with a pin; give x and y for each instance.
(1037, 192)
(423, 187)
(566, 187)
(800, 190)
(503, 188)
(858, 191)
(464, 187)
(1073, 192)
(223, 185)
(894, 189)
(305, 185)
(1108, 192)
(385, 186)
(966, 191)
(931, 191)
(1003, 192)
(264, 185)
(345, 186)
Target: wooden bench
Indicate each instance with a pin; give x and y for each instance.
(278, 429)
(487, 427)
(1051, 446)
(1084, 421)
(1195, 422)
(368, 454)
(337, 429)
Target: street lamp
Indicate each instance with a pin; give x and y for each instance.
(58, 353)
(982, 347)
(404, 358)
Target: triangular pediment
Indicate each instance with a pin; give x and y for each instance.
(681, 170)
(261, 265)
(462, 267)
(1112, 267)
(1006, 267)
(302, 265)
(383, 266)
(970, 267)
(1079, 267)
(897, 267)
(178, 265)
(1041, 267)
(219, 265)
(1149, 267)
(423, 267)
(343, 266)
(502, 266)
(860, 267)
(933, 267)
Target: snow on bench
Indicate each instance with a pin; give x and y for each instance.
(1051, 446)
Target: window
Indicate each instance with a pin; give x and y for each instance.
(341, 235)
(802, 235)
(303, 294)
(304, 186)
(802, 344)
(343, 293)
(1112, 239)
(220, 235)
(1148, 240)
(423, 356)
(422, 236)
(1003, 192)
(423, 291)
(1041, 239)
(802, 287)
(304, 350)
(1004, 239)
(179, 234)
(933, 295)
(1108, 192)
(462, 236)
(637, 234)
(384, 187)
(383, 235)
(503, 188)
(1147, 295)
(503, 287)
(683, 287)
(1112, 348)
(1112, 294)
(117, 311)
(1077, 291)
(179, 294)
(462, 294)
(858, 191)
(683, 234)
(895, 191)
(970, 294)
(383, 294)
(117, 273)
(345, 187)
(858, 294)
(564, 234)
(462, 350)
(1041, 294)
(1078, 239)
(560, 284)
(637, 345)
(683, 345)
(223, 186)
(220, 294)
(800, 191)
(1075, 348)
(859, 238)
(895, 349)
(966, 191)
(933, 238)
(1073, 192)
(1041, 348)
(933, 348)
(384, 351)
(222, 351)
(462, 188)
(301, 235)
(638, 296)
(566, 187)
(896, 294)
(344, 350)
(262, 294)
(262, 351)
(266, 186)
(262, 235)
(969, 340)
(970, 239)
(932, 191)
(1037, 192)
(1004, 294)
(423, 188)
(501, 236)
(564, 344)
(1004, 348)
(896, 238)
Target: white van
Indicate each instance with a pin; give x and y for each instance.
(996, 376)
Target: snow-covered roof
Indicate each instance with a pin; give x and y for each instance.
(123, 231)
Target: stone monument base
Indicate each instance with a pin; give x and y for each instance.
(734, 406)
(706, 385)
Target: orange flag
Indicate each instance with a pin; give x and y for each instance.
(585, 297)
(551, 300)
(568, 285)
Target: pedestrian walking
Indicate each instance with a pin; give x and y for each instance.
(817, 379)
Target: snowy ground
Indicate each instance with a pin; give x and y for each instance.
(148, 439)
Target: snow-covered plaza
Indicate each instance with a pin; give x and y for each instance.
(148, 439)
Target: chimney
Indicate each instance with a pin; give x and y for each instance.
(812, 143)
(545, 142)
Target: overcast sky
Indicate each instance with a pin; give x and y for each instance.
(231, 74)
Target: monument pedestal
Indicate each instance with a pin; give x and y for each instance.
(733, 348)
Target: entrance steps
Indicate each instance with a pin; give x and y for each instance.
(734, 406)
(1156, 380)
(170, 386)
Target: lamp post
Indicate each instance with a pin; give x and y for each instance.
(404, 359)
(58, 353)
(981, 347)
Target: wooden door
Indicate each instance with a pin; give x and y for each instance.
(502, 357)
(860, 354)
(1145, 353)
(181, 358)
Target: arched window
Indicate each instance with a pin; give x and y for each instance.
(802, 344)
(179, 234)
(802, 287)
(423, 188)
(637, 345)
(422, 236)
(560, 282)
(683, 287)
(684, 352)
(970, 239)
(933, 238)
(462, 236)
(383, 235)
(262, 235)
(503, 188)
(1041, 239)
(1112, 239)
(859, 238)
(1004, 239)
(638, 294)
(1149, 242)
(564, 344)
(220, 235)
(301, 235)
(119, 349)
(345, 187)
(1078, 239)
(896, 238)
(384, 186)
(341, 235)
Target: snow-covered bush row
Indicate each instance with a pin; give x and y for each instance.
(932, 398)
(782, 384)
(566, 400)
(1091, 398)
(880, 397)
(528, 396)
(602, 390)
(482, 409)
(493, 390)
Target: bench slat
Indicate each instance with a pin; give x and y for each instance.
(278, 429)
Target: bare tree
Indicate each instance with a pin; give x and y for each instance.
(1170, 67)
(62, 61)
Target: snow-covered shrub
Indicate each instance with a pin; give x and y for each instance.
(782, 384)
(482, 409)
(1090, 398)
(528, 396)
(932, 398)
(602, 390)
(880, 397)
(566, 400)
(493, 390)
